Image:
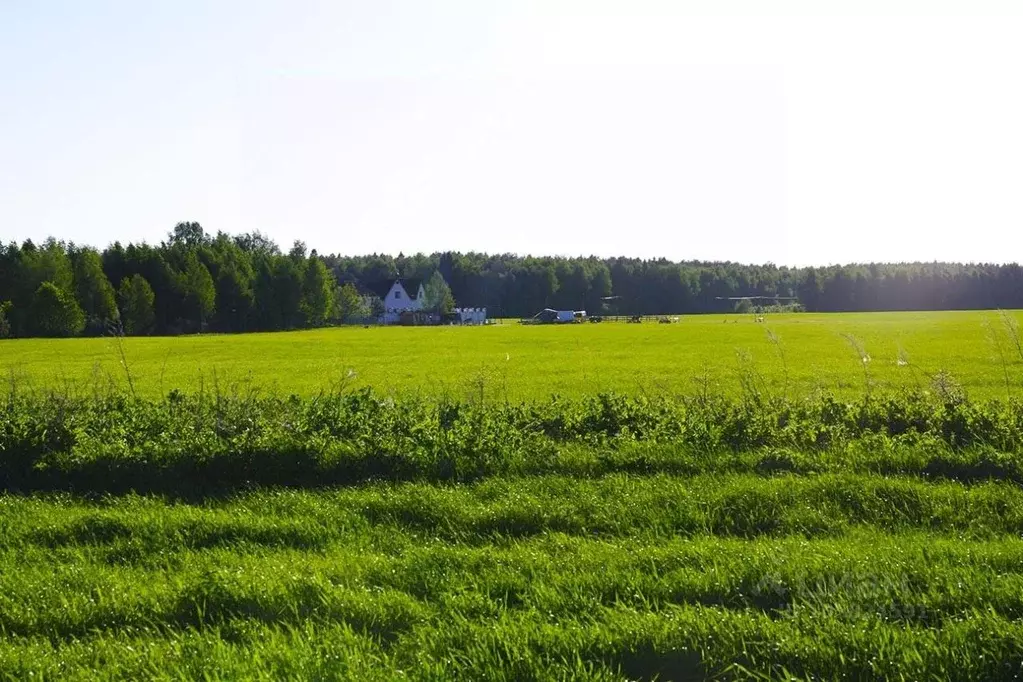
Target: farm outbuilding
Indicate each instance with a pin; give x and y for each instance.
(471, 315)
(552, 316)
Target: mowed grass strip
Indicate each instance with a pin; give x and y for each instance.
(808, 352)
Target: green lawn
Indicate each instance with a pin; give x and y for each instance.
(523, 362)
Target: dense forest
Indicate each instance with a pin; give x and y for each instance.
(194, 282)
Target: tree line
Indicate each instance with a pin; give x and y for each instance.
(515, 286)
(194, 281)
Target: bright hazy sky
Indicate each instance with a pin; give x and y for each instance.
(713, 130)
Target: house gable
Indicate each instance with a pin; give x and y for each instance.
(399, 298)
(396, 298)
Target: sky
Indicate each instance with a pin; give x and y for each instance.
(811, 133)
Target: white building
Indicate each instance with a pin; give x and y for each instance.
(394, 297)
(472, 315)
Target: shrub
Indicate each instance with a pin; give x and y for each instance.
(198, 444)
(5, 322)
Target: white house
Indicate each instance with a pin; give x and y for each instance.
(394, 297)
(404, 295)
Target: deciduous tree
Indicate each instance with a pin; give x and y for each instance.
(136, 298)
(317, 293)
(350, 305)
(93, 291)
(437, 294)
(55, 312)
(197, 285)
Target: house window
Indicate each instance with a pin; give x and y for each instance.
(397, 294)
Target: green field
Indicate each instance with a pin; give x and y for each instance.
(779, 516)
(812, 353)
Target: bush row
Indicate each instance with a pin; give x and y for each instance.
(196, 443)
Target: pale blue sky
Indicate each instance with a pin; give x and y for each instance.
(860, 131)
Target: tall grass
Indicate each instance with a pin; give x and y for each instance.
(345, 584)
(204, 443)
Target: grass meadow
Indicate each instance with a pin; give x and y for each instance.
(801, 353)
(813, 497)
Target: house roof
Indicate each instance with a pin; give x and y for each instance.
(412, 287)
(381, 287)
